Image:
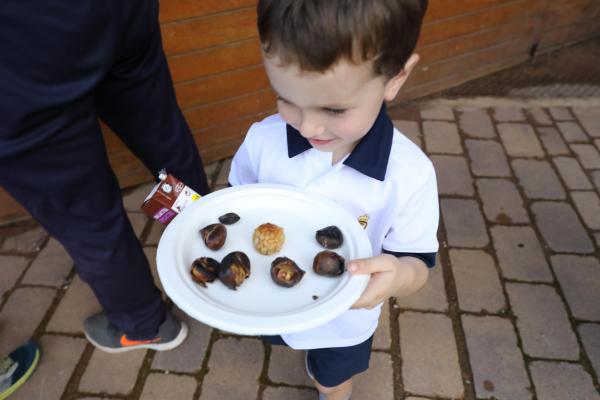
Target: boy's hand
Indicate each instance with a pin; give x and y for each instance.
(390, 276)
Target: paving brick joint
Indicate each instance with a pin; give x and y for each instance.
(510, 312)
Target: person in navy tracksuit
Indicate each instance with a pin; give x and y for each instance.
(63, 65)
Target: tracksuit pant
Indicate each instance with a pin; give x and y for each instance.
(63, 65)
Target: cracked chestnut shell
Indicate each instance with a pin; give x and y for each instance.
(329, 263)
(229, 218)
(330, 237)
(234, 269)
(286, 272)
(204, 270)
(214, 236)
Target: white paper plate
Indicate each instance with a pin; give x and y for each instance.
(259, 306)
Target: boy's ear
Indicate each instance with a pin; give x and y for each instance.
(393, 85)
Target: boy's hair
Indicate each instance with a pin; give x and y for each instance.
(315, 34)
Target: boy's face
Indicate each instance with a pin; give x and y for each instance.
(334, 109)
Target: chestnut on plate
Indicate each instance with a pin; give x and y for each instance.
(286, 272)
(268, 238)
(234, 269)
(229, 218)
(329, 263)
(204, 270)
(330, 237)
(214, 236)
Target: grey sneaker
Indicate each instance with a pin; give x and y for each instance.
(107, 337)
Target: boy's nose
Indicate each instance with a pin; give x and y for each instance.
(310, 128)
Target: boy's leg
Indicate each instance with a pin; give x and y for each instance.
(137, 100)
(343, 391)
(333, 368)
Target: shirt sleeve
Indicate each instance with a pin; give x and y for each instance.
(414, 230)
(243, 170)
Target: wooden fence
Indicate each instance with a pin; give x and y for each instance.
(213, 53)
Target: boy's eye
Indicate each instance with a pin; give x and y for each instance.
(335, 111)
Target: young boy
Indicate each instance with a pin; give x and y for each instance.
(333, 64)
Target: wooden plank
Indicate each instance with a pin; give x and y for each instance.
(111, 140)
(438, 10)
(230, 130)
(215, 60)
(490, 55)
(222, 86)
(172, 10)
(10, 210)
(575, 12)
(479, 40)
(569, 13)
(194, 34)
(218, 113)
(221, 151)
(569, 34)
(203, 119)
(463, 25)
(129, 170)
(557, 7)
(434, 86)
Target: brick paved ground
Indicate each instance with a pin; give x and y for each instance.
(511, 312)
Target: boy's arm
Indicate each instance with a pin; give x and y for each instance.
(413, 232)
(390, 276)
(242, 168)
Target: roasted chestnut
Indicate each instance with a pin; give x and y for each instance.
(286, 272)
(330, 237)
(328, 263)
(214, 236)
(268, 238)
(229, 218)
(234, 269)
(204, 270)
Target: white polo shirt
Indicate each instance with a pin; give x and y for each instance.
(386, 178)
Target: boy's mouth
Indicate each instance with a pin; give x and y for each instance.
(320, 142)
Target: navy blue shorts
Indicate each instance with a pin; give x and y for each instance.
(335, 365)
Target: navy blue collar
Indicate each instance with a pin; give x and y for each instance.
(371, 154)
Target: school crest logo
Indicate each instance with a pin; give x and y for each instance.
(363, 220)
